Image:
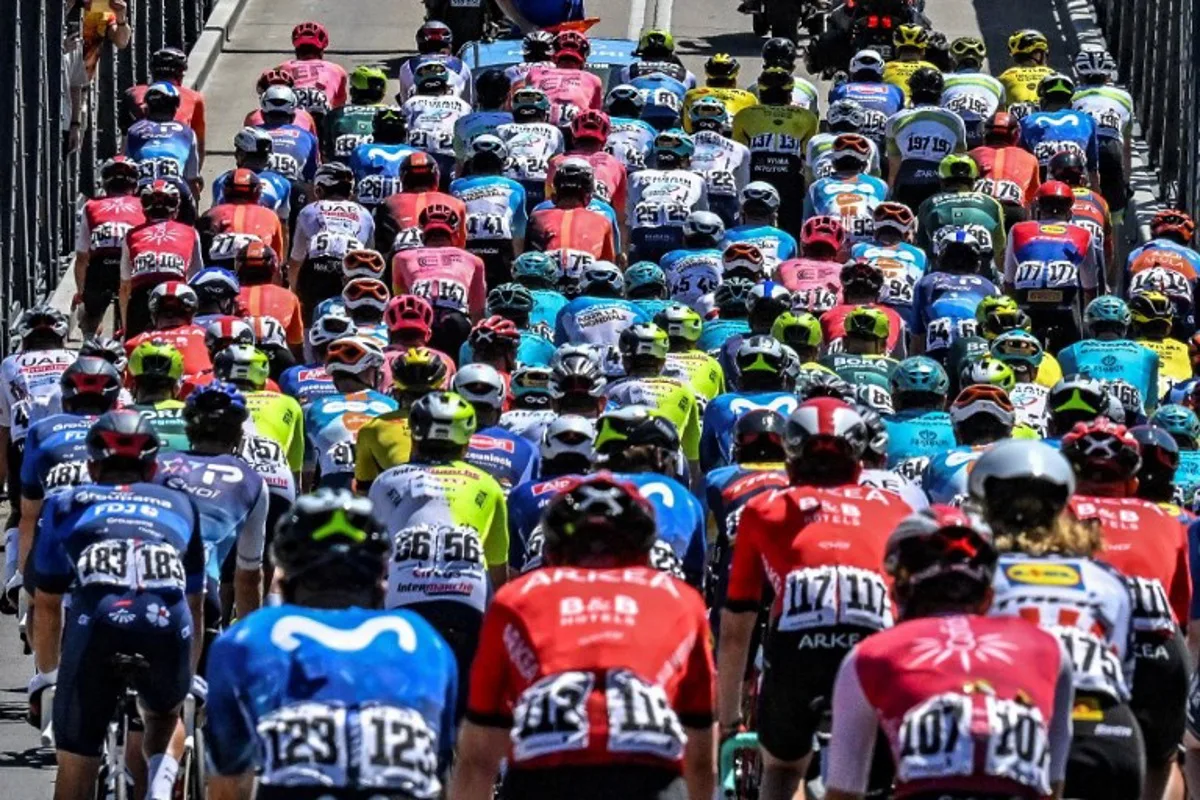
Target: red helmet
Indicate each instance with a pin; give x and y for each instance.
(243, 186)
(1102, 450)
(825, 426)
(1002, 129)
(224, 331)
(1055, 196)
(827, 230)
(310, 34)
(419, 169)
(408, 312)
(571, 46)
(160, 196)
(438, 216)
(1172, 221)
(591, 125)
(277, 76)
(495, 331)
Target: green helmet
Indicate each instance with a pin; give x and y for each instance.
(242, 365)
(989, 370)
(681, 322)
(958, 167)
(868, 323)
(634, 425)
(644, 339)
(154, 359)
(442, 418)
(370, 79)
(797, 329)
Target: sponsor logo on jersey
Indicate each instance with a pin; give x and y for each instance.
(482, 442)
(1036, 574)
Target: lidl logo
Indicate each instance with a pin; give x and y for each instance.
(1038, 574)
(1056, 229)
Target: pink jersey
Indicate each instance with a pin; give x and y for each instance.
(570, 90)
(303, 120)
(806, 274)
(448, 277)
(320, 85)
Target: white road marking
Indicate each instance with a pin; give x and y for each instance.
(637, 15)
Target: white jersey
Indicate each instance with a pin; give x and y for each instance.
(1109, 107)
(724, 163)
(266, 457)
(694, 275)
(659, 198)
(460, 77)
(819, 155)
(925, 133)
(974, 96)
(1086, 604)
(347, 226)
(1029, 403)
(431, 121)
(29, 388)
(527, 423)
(434, 563)
(531, 145)
(888, 481)
(630, 142)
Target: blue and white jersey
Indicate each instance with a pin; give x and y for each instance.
(55, 455)
(918, 433)
(1121, 359)
(297, 152)
(681, 527)
(546, 305)
(852, 200)
(506, 456)
(333, 698)
(163, 150)
(663, 96)
(716, 428)
(525, 505)
(598, 321)
(902, 266)
(376, 169)
(276, 192)
(495, 207)
(692, 274)
(776, 244)
(331, 425)
(1045, 133)
(232, 499)
(460, 77)
(630, 142)
(884, 98)
(477, 123)
(945, 478)
(306, 382)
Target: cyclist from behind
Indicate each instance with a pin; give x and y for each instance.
(496, 214)
(695, 270)
(169, 65)
(296, 153)
(1111, 109)
(919, 137)
(630, 138)
(760, 225)
(1169, 248)
(397, 218)
(1056, 127)
(589, 132)
(103, 224)
(570, 225)
(320, 85)
(1108, 353)
(1007, 172)
(1091, 209)
(763, 387)
(848, 192)
(432, 113)
(1029, 50)
(172, 310)
(844, 116)
(348, 126)
(970, 92)
(780, 52)
(866, 86)
(377, 162)
(660, 199)
(910, 43)
(435, 43)
(492, 86)
(920, 427)
(165, 149)
(570, 88)
(720, 81)
(724, 163)
(961, 206)
(229, 227)
(156, 371)
(279, 76)
(1153, 319)
(253, 149)
(276, 416)
(891, 250)
(332, 216)
(531, 140)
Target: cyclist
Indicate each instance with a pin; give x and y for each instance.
(172, 307)
(943, 563)
(695, 270)
(103, 223)
(919, 137)
(147, 562)
(720, 82)
(766, 301)
(1111, 108)
(724, 163)
(335, 560)
(959, 205)
(866, 86)
(253, 149)
(492, 86)
(570, 224)
(760, 225)
(1056, 127)
(257, 268)
(598, 538)
(630, 138)
(919, 428)
(216, 291)
(685, 361)
(824, 440)
(1008, 172)
(848, 192)
(276, 416)
(646, 287)
(862, 358)
(165, 149)
(1029, 50)
(435, 44)
(397, 218)
(1156, 475)
(296, 153)
(761, 384)
(780, 52)
(599, 314)
(504, 455)
(159, 250)
(377, 162)
(1170, 247)
(320, 85)
(589, 132)
(348, 126)
(279, 76)
(815, 275)
(970, 92)
(239, 220)
(861, 285)
(169, 65)
(982, 415)
(156, 371)
(1108, 352)
(432, 112)
(577, 382)
(1153, 317)
(1022, 489)
(946, 301)
(732, 303)
(844, 116)
(910, 43)
(891, 250)
(570, 88)
(531, 140)
(495, 206)
(660, 199)
(1091, 209)
(1184, 427)
(538, 273)
(437, 486)
(333, 216)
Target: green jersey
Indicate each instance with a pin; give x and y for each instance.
(166, 418)
(980, 214)
(346, 128)
(860, 370)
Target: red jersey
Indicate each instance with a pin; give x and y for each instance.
(320, 85)
(303, 120)
(571, 229)
(397, 217)
(1047, 243)
(965, 701)
(448, 277)
(594, 667)
(611, 181)
(229, 227)
(822, 550)
(103, 225)
(1149, 547)
(1090, 212)
(187, 339)
(833, 323)
(269, 300)
(570, 90)
(155, 252)
(808, 274)
(1009, 174)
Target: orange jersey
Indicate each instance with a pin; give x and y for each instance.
(571, 229)
(397, 217)
(269, 300)
(1011, 175)
(227, 228)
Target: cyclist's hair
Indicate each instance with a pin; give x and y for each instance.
(1066, 536)
(641, 458)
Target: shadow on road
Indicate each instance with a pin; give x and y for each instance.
(741, 43)
(998, 20)
(34, 758)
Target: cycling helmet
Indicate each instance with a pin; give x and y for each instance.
(743, 259)
(536, 46)
(281, 75)
(487, 154)
(1107, 314)
(775, 79)
(169, 61)
(1027, 42)
(510, 300)
(644, 340)
(123, 439)
(369, 80)
(310, 34)
(984, 398)
(1152, 313)
(120, 173)
(779, 52)
(624, 101)
(353, 355)
(602, 278)
(569, 436)
(824, 427)
(732, 297)
(173, 297)
(1173, 224)
(798, 330)
(242, 186)
(571, 46)
(875, 452)
(865, 322)
(598, 516)
(760, 199)
(431, 78)
(529, 101)
(861, 277)
(574, 175)
(162, 97)
(160, 199)
(896, 216)
(535, 269)
(593, 125)
(438, 217)
(434, 36)
(949, 550)
(366, 293)
(760, 354)
(407, 313)
(215, 411)
(824, 231)
(442, 418)
(926, 84)
(328, 327)
(492, 86)
(576, 373)
(957, 250)
(330, 541)
(645, 280)
(819, 381)
(494, 333)
(1160, 455)
(92, 382)
(220, 333)
(1181, 422)
(110, 350)
(703, 227)
(1056, 84)
(681, 322)
(631, 426)
(253, 142)
(334, 177)
(866, 62)
(1021, 485)
(1018, 347)
(530, 388)
(419, 170)
(1075, 398)
(852, 147)
(242, 364)
(709, 113)
(42, 319)
(722, 67)
(846, 115)
(418, 370)
(256, 263)
(920, 375)
(910, 36)
(958, 167)
(480, 384)
(215, 286)
(758, 437)
(675, 143)
(968, 48)
(996, 314)
(768, 300)
(654, 42)
(1102, 451)
(1068, 167)
(1002, 129)
(363, 263)
(279, 100)
(990, 371)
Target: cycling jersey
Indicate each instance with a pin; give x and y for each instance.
(666, 397)
(306, 382)
(332, 424)
(156, 252)
(276, 302)
(611, 184)
(670, 67)
(191, 111)
(945, 477)
(715, 332)
(879, 101)
(303, 119)
(383, 442)
(1091, 213)
(55, 456)
(1110, 108)
(447, 277)
(818, 158)
(572, 229)
(720, 415)
(166, 418)
(692, 274)
(431, 121)
(1021, 83)
(978, 214)
(897, 73)
(228, 228)
(1009, 174)
(1045, 133)
(917, 432)
(187, 339)
(733, 99)
(460, 76)
(1047, 263)
(818, 282)
(804, 94)
(974, 96)
(30, 388)
(659, 203)
(833, 326)
(495, 208)
(1166, 254)
(388, 725)
(775, 244)
(376, 169)
(504, 455)
(777, 137)
(280, 419)
(344, 218)
(530, 145)
(570, 90)
(700, 371)
(295, 153)
(528, 423)
(630, 141)
(451, 493)
(1121, 359)
(525, 505)
(470, 126)
(345, 129)
(321, 86)
(598, 321)
(925, 135)
(852, 200)
(941, 286)
(1174, 363)
(397, 219)
(100, 233)
(276, 191)
(902, 266)
(163, 150)
(662, 99)
(861, 370)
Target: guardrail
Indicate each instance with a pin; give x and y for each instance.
(1156, 44)
(40, 184)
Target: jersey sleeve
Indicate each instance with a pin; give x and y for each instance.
(251, 541)
(696, 700)
(197, 255)
(31, 484)
(1180, 591)
(295, 322)
(83, 233)
(295, 454)
(126, 268)
(689, 437)
(230, 739)
(489, 698)
(495, 547)
(746, 573)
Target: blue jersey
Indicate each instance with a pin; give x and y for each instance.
(630, 141)
(546, 305)
(1121, 359)
(119, 540)
(651, 306)
(680, 521)
(1187, 474)
(163, 149)
(297, 152)
(969, 289)
(691, 274)
(495, 207)
(715, 332)
(716, 429)
(534, 350)
(599, 206)
(916, 433)
(276, 191)
(885, 98)
(376, 169)
(331, 425)
(306, 382)
(826, 197)
(1045, 133)
(776, 244)
(55, 455)
(525, 505)
(902, 265)
(663, 96)
(945, 478)
(336, 698)
(1186, 253)
(506, 456)
(595, 320)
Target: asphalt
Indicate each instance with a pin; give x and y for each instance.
(381, 32)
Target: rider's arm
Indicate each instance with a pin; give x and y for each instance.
(855, 726)
(495, 548)
(54, 579)
(230, 738)
(251, 542)
(126, 287)
(743, 599)
(196, 576)
(1060, 725)
(480, 751)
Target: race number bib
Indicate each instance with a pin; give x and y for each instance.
(305, 744)
(821, 597)
(898, 289)
(572, 263)
(528, 167)
(928, 148)
(442, 293)
(944, 331)
(312, 98)
(396, 750)
(1161, 279)
(640, 718)
(664, 559)
(345, 144)
(285, 164)
(374, 189)
(226, 246)
(332, 245)
(551, 716)
(1047, 281)
(1095, 666)
(66, 474)
(154, 263)
(1151, 608)
(111, 235)
(159, 168)
(432, 140)
(131, 564)
(438, 564)
(489, 226)
(1004, 191)
(970, 106)
(654, 215)
(1046, 150)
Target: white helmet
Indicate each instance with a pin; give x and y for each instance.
(704, 223)
(278, 99)
(850, 112)
(480, 384)
(1021, 484)
(867, 61)
(353, 355)
(570, 434)
(1094, 64)
(333, 325)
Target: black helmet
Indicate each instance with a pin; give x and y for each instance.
(110, 350)
(758, 436)
(125, 440)
(1069, 167)
(946, 548)
(1160, 456)
(334, 177)
(732, 297)
(169, 61)
(537, 46)
(779, 52)
(215, 411)
(877, 434)
(390, 120)
(331, 541)
(926, 82)
(491, 87)
(92, 383)
(598, 516)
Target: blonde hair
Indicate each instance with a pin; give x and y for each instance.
(1066, 536)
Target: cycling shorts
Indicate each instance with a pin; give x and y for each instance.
(916, 181)
(626, 781)
(1107, 756)
(450, 329)
(264, 792)
(100, 285)
(88, 691)
(1056, 329)
(16, 454)
(535, 192)
(459, 625)
(139, 311)
(1112, 174)
(497, 256)
(1160, 693)
(316, 285)
(1013, 214)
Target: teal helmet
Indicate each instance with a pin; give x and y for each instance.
(1181, 422)
(535, 269)
(1018, 347)
(920, 374)
(1107, 313)
(676, 142)
(645, 279)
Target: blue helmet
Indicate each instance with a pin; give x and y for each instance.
(217, 406)
(676, 142)
(645, 279)
(1018, 346)
(535, 267)
(214, 284)
(1107, 312)
(1181, 422)
(920, 374)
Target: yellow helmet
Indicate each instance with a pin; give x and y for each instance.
(911, 36)
(1027, 42)
(722, 66)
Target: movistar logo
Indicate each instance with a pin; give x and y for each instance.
(287, 632)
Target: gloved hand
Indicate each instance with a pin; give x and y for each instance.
(9, 600)
(40, 682)
(199, 690)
